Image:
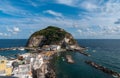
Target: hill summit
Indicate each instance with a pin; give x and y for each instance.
(52, 36)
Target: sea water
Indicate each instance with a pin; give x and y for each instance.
(8, 43)
(104, 52)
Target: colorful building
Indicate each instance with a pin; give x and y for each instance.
(5, 70)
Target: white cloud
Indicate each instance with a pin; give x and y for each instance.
(7, 8)
(117, 22)
(79, 30)
(89, 6)
(16, 29)
(13, 30)
(4, 34)
(66, 2)
(1, 34)
(103, 18)
(94, 27)
(85, 4)
(97, 22)
(53, 13)
(32, 3)
(8, 29)
(108, 7)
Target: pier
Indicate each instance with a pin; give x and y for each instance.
(104, 69)
(82, 52)
(18, 48)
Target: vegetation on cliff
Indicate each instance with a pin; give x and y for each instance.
(53, 35)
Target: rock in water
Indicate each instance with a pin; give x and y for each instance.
(69, 59)
(53, 36)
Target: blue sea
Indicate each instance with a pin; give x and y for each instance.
(7, 43)
(105, 52)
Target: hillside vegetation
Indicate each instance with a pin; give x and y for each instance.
(52, 34)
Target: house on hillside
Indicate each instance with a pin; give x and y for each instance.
(55, 47)
(5, 67)
(51, 47)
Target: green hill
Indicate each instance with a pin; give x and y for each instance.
(50, 36)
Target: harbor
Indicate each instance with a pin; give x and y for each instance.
(25, 65)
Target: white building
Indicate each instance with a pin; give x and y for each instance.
(67, 40)
(55, 47)
(58, 47)
(23, 71)
(38, 61)
(72, 46)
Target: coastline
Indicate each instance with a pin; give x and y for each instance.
(99, 52)
(47, 67)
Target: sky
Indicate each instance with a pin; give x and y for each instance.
(84, 19)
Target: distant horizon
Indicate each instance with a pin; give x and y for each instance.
(75, 38)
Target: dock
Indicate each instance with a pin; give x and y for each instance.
(17, 48)
(104, 69)
(81, 52)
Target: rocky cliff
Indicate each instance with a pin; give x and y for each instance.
(52, 36)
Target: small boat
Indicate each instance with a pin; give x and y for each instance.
(14, 49)
(63, 59)
(94, 50)
(21, 49)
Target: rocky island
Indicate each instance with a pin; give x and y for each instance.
(52, 40)
(43, 46)
(53, 36)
